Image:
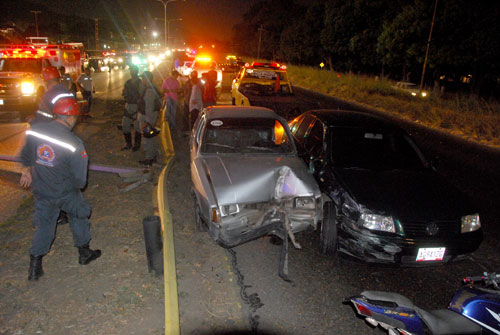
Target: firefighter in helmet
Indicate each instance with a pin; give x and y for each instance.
(55, 165)
(54, 91)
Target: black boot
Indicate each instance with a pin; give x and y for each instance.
(137, 141)
(87, 255)
(128, 141)
(35, 270)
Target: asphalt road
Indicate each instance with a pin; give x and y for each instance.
(223, 290)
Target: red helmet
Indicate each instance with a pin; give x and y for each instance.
(67, 106)
(50, 72)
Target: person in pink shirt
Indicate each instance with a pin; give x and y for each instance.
(171, 88)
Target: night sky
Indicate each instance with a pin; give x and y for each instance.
(202, 19)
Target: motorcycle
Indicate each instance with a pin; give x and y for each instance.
(473, 310)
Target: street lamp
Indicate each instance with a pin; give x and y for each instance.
(168, 25)
(165, 3)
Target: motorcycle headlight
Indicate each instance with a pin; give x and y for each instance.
(305, 203)
(470, 223)
(377, 222)
(226, 210)
(27, 88)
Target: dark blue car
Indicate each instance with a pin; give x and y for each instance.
(384, 202)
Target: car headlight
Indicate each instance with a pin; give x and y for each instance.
(414, 94)
(135, 60)
(470, 223)
(27, 88)
(378, 222)
(120, 60)
(305, 203)
(226, 210)
(424, 94)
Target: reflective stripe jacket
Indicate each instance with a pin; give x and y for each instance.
(58, 158)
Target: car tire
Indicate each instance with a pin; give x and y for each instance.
(233, 101)
(328, 232)
(200, 225)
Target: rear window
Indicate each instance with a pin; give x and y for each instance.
(245, 135)
(265, 74)
(373, 149)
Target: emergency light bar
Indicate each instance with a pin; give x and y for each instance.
(203, 59)
(267, 65)
(23, 53)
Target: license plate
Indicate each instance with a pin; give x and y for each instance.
(430, 254)
(1, 102)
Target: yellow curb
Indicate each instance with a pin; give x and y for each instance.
(172, 324)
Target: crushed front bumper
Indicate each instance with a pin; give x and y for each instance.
(394, 249)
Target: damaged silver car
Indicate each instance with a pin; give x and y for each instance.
(247, 178)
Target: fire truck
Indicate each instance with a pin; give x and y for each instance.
(21, 82)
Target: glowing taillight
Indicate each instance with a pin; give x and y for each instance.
(362, 309)
(215, 215)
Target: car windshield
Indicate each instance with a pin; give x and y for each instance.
(21, 65)
(245, 135)
(373, 149)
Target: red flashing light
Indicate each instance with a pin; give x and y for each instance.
(24, 53)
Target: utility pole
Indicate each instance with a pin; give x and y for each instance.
(36, 12)
(165, 3)
(96, 25)
(427, 49)
(261, 29)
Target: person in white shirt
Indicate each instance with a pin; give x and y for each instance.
(87, 89)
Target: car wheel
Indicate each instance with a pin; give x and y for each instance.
(328, 233)
(200, 225)
(233, 101)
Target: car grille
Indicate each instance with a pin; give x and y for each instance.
(9, 88)
(428, 229)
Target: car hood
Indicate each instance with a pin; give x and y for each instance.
(406, 195)
(242, 179)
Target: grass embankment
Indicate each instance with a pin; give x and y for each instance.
(467, 116)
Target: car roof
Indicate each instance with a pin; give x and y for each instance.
(345, 118)
(214, 112)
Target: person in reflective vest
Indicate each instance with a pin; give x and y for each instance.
(67, 81)
(87, 89)
(55, 163)
(55, 91)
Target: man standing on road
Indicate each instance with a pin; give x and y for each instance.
(66, 80)
(54, 91)
(171, 87)
(87, 88)
(55, 163)
(149, 106)
(132, 92)
(195, 99)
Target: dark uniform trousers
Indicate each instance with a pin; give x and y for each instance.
(45, 221)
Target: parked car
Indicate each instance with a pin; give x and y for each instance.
(409, 88)
(387, 203)
(247, 178)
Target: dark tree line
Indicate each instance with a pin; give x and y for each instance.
(381, 37)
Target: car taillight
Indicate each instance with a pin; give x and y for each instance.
(362, 309)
